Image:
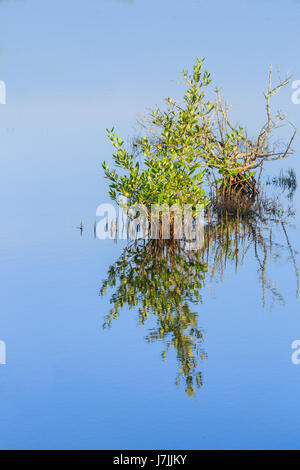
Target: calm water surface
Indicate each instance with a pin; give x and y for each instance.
(225, 320)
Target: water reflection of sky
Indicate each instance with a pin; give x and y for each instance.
(72, 69)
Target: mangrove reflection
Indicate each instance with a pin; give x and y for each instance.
(230, 239)
(163, 279)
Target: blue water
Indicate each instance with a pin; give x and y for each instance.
(72, 69)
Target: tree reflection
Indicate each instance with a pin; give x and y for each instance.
(230, 239)
(163, 280)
